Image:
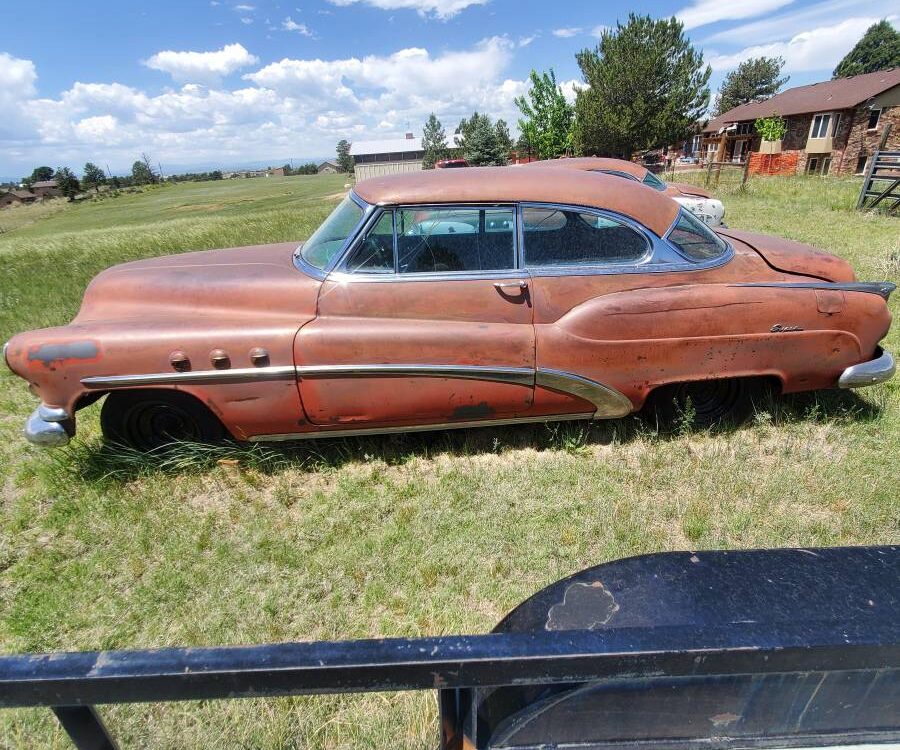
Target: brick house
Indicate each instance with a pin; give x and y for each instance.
(16, 198)
(46, 189)
(833, 127)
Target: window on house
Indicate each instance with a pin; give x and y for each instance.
(861, 164)
(744, 128)
(812, 165)
(837, 125)
(556, 237)
(826, 165)
(874, 117)
(820, 125)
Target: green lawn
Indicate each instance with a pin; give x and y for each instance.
(402, 535)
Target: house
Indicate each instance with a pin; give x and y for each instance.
(46, 189)
(376, 158)
(833, 127)
(16, 198)
(328, 167)
(276, 172)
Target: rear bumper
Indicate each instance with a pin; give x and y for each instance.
(47, 427)
(876, 370)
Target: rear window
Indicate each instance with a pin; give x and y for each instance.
(696, 240)
(651, 180)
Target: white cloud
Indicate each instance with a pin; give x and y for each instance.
(442, 9)
(246, 21)
(202, 67)
(702, 12)
(600, 30)
(816, 49)
(245, 8)
(17, 79)
(289, 24)
(567, 31)
(524, 41)
(294, 107)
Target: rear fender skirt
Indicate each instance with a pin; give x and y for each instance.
(881, 288)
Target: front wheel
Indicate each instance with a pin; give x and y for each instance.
(704, 403)
(148, 419)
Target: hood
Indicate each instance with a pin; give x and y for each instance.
(260, 278)
(792, 257)
(685, 188)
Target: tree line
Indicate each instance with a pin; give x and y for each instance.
(645, 86)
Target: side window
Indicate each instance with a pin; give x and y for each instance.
(376, 252)
(435, 240)
(696, 240)
(556, 237)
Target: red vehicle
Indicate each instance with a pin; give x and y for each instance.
(451, 164)
(456, 298)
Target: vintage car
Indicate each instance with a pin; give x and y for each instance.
(456, 298)
(695, 199)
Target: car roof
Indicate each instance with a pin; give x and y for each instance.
(654, 210)
(587, 163)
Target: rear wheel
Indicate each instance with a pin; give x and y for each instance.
(148, 419)
(704, 403)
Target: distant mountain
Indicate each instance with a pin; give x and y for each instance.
(230, 166)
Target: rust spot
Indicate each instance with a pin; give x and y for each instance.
(473, 411)
(585, 606)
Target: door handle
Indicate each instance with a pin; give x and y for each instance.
(505, 287)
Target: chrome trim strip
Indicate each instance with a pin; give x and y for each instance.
(515, 375)
(876, 370)
(881, 288)
(320, 434)
(608, 401)
(204, 377)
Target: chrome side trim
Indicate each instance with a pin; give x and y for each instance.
(320, 434)
(876, 370)
(608, 401)
(881, 288)
(203, 377)
(516, 375)
(44, 434)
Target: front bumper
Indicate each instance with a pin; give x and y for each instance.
(876, 370)
(48, 427)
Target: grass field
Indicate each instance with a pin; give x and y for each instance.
(403, 535)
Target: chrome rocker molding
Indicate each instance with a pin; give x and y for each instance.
(881, 288)
(200, 377)
(339, 433)
(608, 402)
(876, 370)
(44, 427)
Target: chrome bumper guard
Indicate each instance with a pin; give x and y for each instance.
(876, 370)
(45, 427)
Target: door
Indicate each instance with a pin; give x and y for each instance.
(426, 321)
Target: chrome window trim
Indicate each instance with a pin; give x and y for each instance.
(699, 264)
(322, 273)
(339, 272)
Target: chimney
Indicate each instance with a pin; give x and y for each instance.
(409, 136)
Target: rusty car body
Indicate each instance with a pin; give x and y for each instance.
(456, 298)
(698, 201)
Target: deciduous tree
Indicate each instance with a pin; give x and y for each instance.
(93, 177)
(344, 160)
(546, 125)
(879, 49)
(434, 142)
(39, 174)
(141, 174)
(754, 80)
(67, 182)
(646, 87)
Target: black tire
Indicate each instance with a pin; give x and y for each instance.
(704, 403)
(148, 419)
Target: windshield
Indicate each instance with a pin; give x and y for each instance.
(327, 241)
(651, 180)
(696, 240)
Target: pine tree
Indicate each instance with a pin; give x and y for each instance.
(434, 142)
(754, 80)
(504, 140)
(879, 49)
(647, 87)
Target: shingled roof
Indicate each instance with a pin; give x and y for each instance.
(841, 93)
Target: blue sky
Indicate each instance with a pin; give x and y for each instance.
(232, 81)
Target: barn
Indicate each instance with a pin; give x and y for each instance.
(376, 158)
